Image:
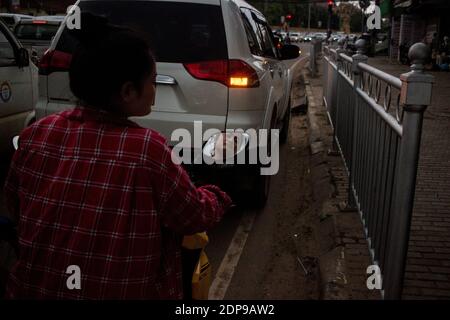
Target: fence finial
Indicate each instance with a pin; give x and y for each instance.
(360, 46)
(418, 53)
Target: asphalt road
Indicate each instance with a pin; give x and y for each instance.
(248, 248)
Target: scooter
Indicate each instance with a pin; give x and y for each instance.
(195, 263)
(196, 267)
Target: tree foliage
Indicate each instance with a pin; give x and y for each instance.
(273, 10)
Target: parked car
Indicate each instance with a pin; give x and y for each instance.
(36, 35)
(11, 19)
(18, 88)
(228, 76)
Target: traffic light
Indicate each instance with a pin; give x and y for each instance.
(330, 6)
(288, 17)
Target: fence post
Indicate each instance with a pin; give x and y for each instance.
(356, 58)
(312, 57)
(415, 96)
(319, 48)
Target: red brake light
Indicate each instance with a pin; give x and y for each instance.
(39, 22)
(54, 60)
(231, 73)
(216, 70)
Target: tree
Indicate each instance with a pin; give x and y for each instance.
(273, 10)
(351, 17)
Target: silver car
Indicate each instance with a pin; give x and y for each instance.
(224, 69)
(36, 34)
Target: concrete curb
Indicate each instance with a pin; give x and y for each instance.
(314, 133)
(332, 266)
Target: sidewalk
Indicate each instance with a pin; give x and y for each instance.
(428, 265)
(344, 263)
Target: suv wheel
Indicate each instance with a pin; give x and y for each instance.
(260, 192)
(260, 184)
(284, 133)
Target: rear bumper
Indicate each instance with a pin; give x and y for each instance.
(233, 179)
(167, 123)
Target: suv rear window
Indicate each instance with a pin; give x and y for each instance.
(35, 31)
(9, 21)
(178, 32)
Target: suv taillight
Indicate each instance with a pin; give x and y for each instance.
(231, 73)
(54, 60)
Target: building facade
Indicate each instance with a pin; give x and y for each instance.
(418, 20)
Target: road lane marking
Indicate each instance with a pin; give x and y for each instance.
(229, 262)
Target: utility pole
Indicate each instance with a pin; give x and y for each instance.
(330, 13)
(309, 16)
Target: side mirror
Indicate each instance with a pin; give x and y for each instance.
(289, 51)
(34, 57)
(23, 58)
(277, 42)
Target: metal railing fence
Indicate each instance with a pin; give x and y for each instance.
(377, 121)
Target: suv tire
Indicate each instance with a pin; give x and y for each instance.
(284, 132)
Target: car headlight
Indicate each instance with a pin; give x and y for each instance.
(223, 146)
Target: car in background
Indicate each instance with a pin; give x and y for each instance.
(224, 70)
(336, 37)
(36, 35)
(294, 36)
(320, 36)
(11, 19)
(18, 88)
(381, 43)
(307, 37)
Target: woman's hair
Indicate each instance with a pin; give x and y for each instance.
(107, 57)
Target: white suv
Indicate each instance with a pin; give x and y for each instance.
(18, 88)
(216, 62)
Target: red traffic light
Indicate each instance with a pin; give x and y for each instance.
(330, 6)
(289, 17)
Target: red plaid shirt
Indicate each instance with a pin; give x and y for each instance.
(102, 193)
